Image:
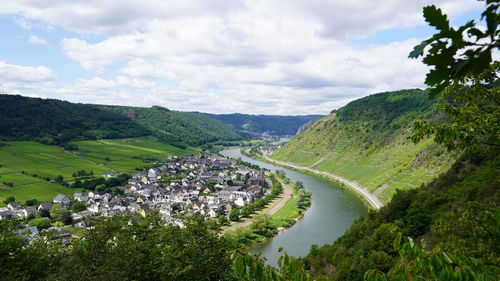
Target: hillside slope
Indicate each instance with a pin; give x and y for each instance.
(58, 122)
(55, 121)
(188, 127)
(455, 213)
(271, 124)
(367, 141)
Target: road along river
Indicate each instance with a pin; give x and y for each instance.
(332, 212)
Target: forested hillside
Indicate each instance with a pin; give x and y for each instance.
(455, 214)
(188, 127)
(271, 124)
(368, 141)
(58, 122)
(55, 122)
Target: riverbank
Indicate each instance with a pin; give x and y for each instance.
(371, 199)
(271, 210)
(331, 212)
(280, 215)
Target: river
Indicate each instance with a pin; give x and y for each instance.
(332, 212)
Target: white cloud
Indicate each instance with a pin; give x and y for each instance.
(36, 40)
(95, 83)
(26, 80)
(25, 74)
(279, 57)
(135, 83)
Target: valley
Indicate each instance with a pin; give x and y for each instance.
(33, 167)
(250, 140)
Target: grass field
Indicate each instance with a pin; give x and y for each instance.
(122, 155)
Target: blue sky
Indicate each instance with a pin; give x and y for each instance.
(259, 57)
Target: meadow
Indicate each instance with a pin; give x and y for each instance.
(29, 166)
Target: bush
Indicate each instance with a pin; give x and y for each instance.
(78, 207)
(66, 218)
(40, 223)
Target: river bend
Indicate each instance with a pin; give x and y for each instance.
(332, 212)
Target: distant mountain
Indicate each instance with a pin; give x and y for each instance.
(57, 122)
(271, 124)
(368, 141)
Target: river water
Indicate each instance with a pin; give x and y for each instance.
(332, 212)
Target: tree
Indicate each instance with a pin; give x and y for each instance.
(145, 249)
(299, 185)
(56, 211)
(44, 213)
(176, 206)
(66, 218)
(40, 223)
(464, 77)
(9, 199)
(79, 206)
(418, 264)
(22, 261)
(31, 202)
(77, 184)
(234, 215)
(222, 220)
(101, 188)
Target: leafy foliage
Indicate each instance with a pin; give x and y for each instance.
(121, 248)
(252, 268)
(418, 264)
(465, 78)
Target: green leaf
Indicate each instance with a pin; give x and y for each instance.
(476, 32)
(448, 259)
(482, 62)
(239, 265)
(436, 76)
(419, 49)
(435, 17)
(397, 241)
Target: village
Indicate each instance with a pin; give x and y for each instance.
(206, 185)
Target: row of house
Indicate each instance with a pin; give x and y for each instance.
(209, 186)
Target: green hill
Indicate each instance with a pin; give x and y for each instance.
(457, 213)
(271, 124)
(58, 122)
(367, 141)
(188, 127)
(55, 121)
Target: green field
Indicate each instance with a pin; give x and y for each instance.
(123, 155)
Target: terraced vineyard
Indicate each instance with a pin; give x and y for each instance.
(368, 141)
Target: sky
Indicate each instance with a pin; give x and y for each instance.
(286, 57)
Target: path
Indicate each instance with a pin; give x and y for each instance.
(317, 162)
(373, 200)
(287, 194)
